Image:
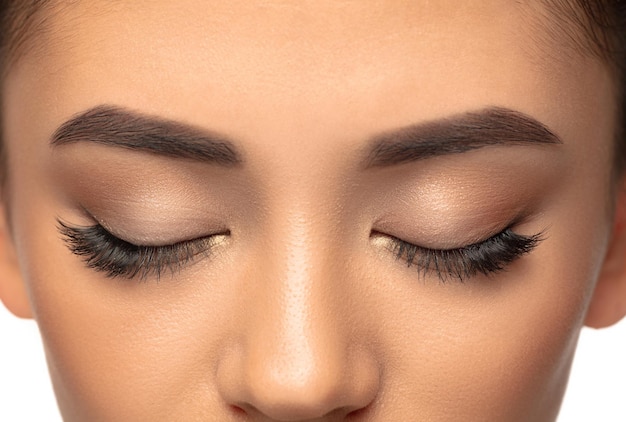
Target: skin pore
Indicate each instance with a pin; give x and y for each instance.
(292, 300)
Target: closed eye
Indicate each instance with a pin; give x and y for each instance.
(487, 257)
(104, 252)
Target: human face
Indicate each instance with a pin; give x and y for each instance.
(300, 308)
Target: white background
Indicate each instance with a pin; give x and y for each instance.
(597, 390)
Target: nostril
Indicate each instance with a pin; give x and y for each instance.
(238, 411)
(359, 414)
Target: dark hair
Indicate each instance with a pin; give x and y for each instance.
(604, 24)
(20, 20)
(591, 27)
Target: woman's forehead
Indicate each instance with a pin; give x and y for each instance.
(312, 79)
(314, 25)
(321, 58)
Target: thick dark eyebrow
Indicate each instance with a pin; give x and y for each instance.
(118, 127)
(494, 126)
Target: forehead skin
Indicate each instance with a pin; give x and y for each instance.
(301, 85)
(306, 50)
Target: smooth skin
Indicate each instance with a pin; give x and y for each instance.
(302, 312)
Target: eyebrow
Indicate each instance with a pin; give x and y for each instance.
(495, 126)
(117, 127)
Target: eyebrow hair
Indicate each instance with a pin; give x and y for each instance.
(495, 126)
(118, 127)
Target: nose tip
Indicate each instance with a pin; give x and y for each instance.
(301, 387)
(299, 362)
(313, 389)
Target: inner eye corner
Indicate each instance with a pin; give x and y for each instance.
(375, 233)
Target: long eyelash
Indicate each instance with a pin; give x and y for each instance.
(107, 253)
(488, 257)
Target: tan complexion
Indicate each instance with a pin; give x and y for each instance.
(301, 311)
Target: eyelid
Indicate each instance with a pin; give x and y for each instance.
(157, 233)
(104, 252)
(486, 257)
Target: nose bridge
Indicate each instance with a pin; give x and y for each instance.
(296, 360)
(300, 311)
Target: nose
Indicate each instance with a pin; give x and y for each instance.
(298, 355)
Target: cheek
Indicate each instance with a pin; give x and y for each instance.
(494, 359)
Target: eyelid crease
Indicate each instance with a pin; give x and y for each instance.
(159, 233)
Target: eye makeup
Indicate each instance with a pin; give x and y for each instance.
(104, 252)
(115, 257)
(487, 257)
(443, 207)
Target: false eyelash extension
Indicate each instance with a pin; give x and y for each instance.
(115, 257)
(487, 257)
